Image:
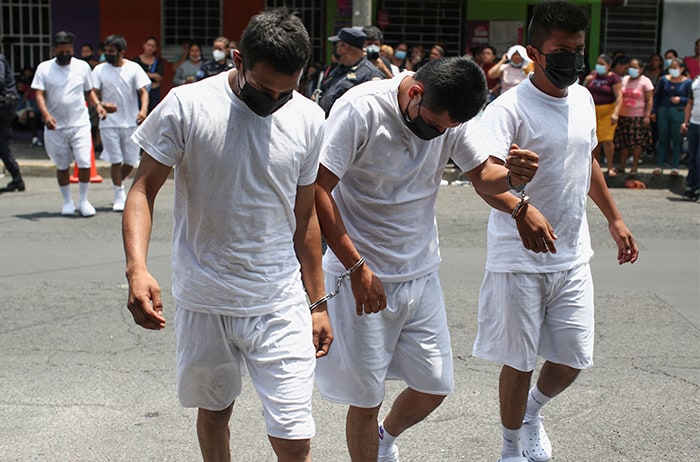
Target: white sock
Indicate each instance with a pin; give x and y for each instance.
(118, 191)
(65, 192)
(535, 400)
(386, 441)
(83, 192)
(511, 443)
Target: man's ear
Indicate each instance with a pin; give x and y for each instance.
(237, 58)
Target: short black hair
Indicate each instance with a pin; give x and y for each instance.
(117, 41)
(373, 33)
(277, 37)
(456, 85)
(63, 38)
(555, 15)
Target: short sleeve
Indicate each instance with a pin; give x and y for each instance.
(162, 135)
(345, 133)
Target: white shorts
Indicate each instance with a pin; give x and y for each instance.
(117, 146)
(408, 340)
(523, 315)
(65, 145)
(277, 349)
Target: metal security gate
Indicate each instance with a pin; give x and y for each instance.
(25, 28)
(632, 28)
(425, 23)
(312, 13)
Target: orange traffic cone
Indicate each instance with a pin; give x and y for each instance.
(94, 176)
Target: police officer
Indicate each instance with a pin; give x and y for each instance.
(353, 67)
(220, 61)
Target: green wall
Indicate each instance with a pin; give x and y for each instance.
(516, 10)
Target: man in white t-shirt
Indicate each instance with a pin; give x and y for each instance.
(245, 148)
(384, 151)
(123, 87)
(536, 298)
(62, 85)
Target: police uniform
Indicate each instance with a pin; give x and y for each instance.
(212, 67)
(343, 78)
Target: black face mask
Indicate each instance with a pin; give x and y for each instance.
(111, 59)
(260, 102)
(563, 69)
(63, 59)
(418, 126)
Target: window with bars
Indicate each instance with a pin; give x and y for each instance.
(425, 23)
(25, 28)
(311, 13)
(190, 20)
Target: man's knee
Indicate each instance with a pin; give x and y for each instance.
(215, 419)
(291, 450)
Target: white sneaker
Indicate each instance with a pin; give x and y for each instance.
(119, 202)
(536, 444)
(68, 209)
(512, 459)
(86, 209)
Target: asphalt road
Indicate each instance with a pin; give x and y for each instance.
(79, 381)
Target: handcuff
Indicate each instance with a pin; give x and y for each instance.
(338, 283)
(524, 198)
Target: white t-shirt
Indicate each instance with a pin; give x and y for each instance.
(695, 89)
(65, 88)
(389, 180)
(562, 132)
(120, 85)
(236, 179)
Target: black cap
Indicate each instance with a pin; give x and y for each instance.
(351, 36)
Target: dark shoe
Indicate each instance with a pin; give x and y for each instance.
(688, 194)
(14, 185)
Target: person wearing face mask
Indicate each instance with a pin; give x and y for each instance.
(536, 299)
(123, 86)
(669, 56)
(220, 61)
(606, 88)
(353, 67)
(512, 69)
(63, 85)
(398, 60)
(187, 71)
(246, 246)
(385, 147)
(632, 132)
(670, 97)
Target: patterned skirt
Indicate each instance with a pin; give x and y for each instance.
(631, 132)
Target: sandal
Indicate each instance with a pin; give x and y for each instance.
(657, 172)
(632, 174)
(612, 172)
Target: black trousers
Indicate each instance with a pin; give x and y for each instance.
(8, 159)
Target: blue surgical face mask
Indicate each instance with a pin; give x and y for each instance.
(601, 69)
(675, 72)
(668, 62)
(633, 72)
(400, 54)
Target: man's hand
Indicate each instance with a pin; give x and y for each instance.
(141, 116)
(50, 122)
(322, 333)
(110, 107)
(535, 231)
(522, 163)
(627, 250)
(368, 291)
(145, 303)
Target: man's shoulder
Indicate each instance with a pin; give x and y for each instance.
(365, 70)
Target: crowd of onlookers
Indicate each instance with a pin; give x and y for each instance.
(640, 103)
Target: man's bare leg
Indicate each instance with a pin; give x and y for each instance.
(361, 432)
(291, 450)
(214, 434)
(410, 407)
